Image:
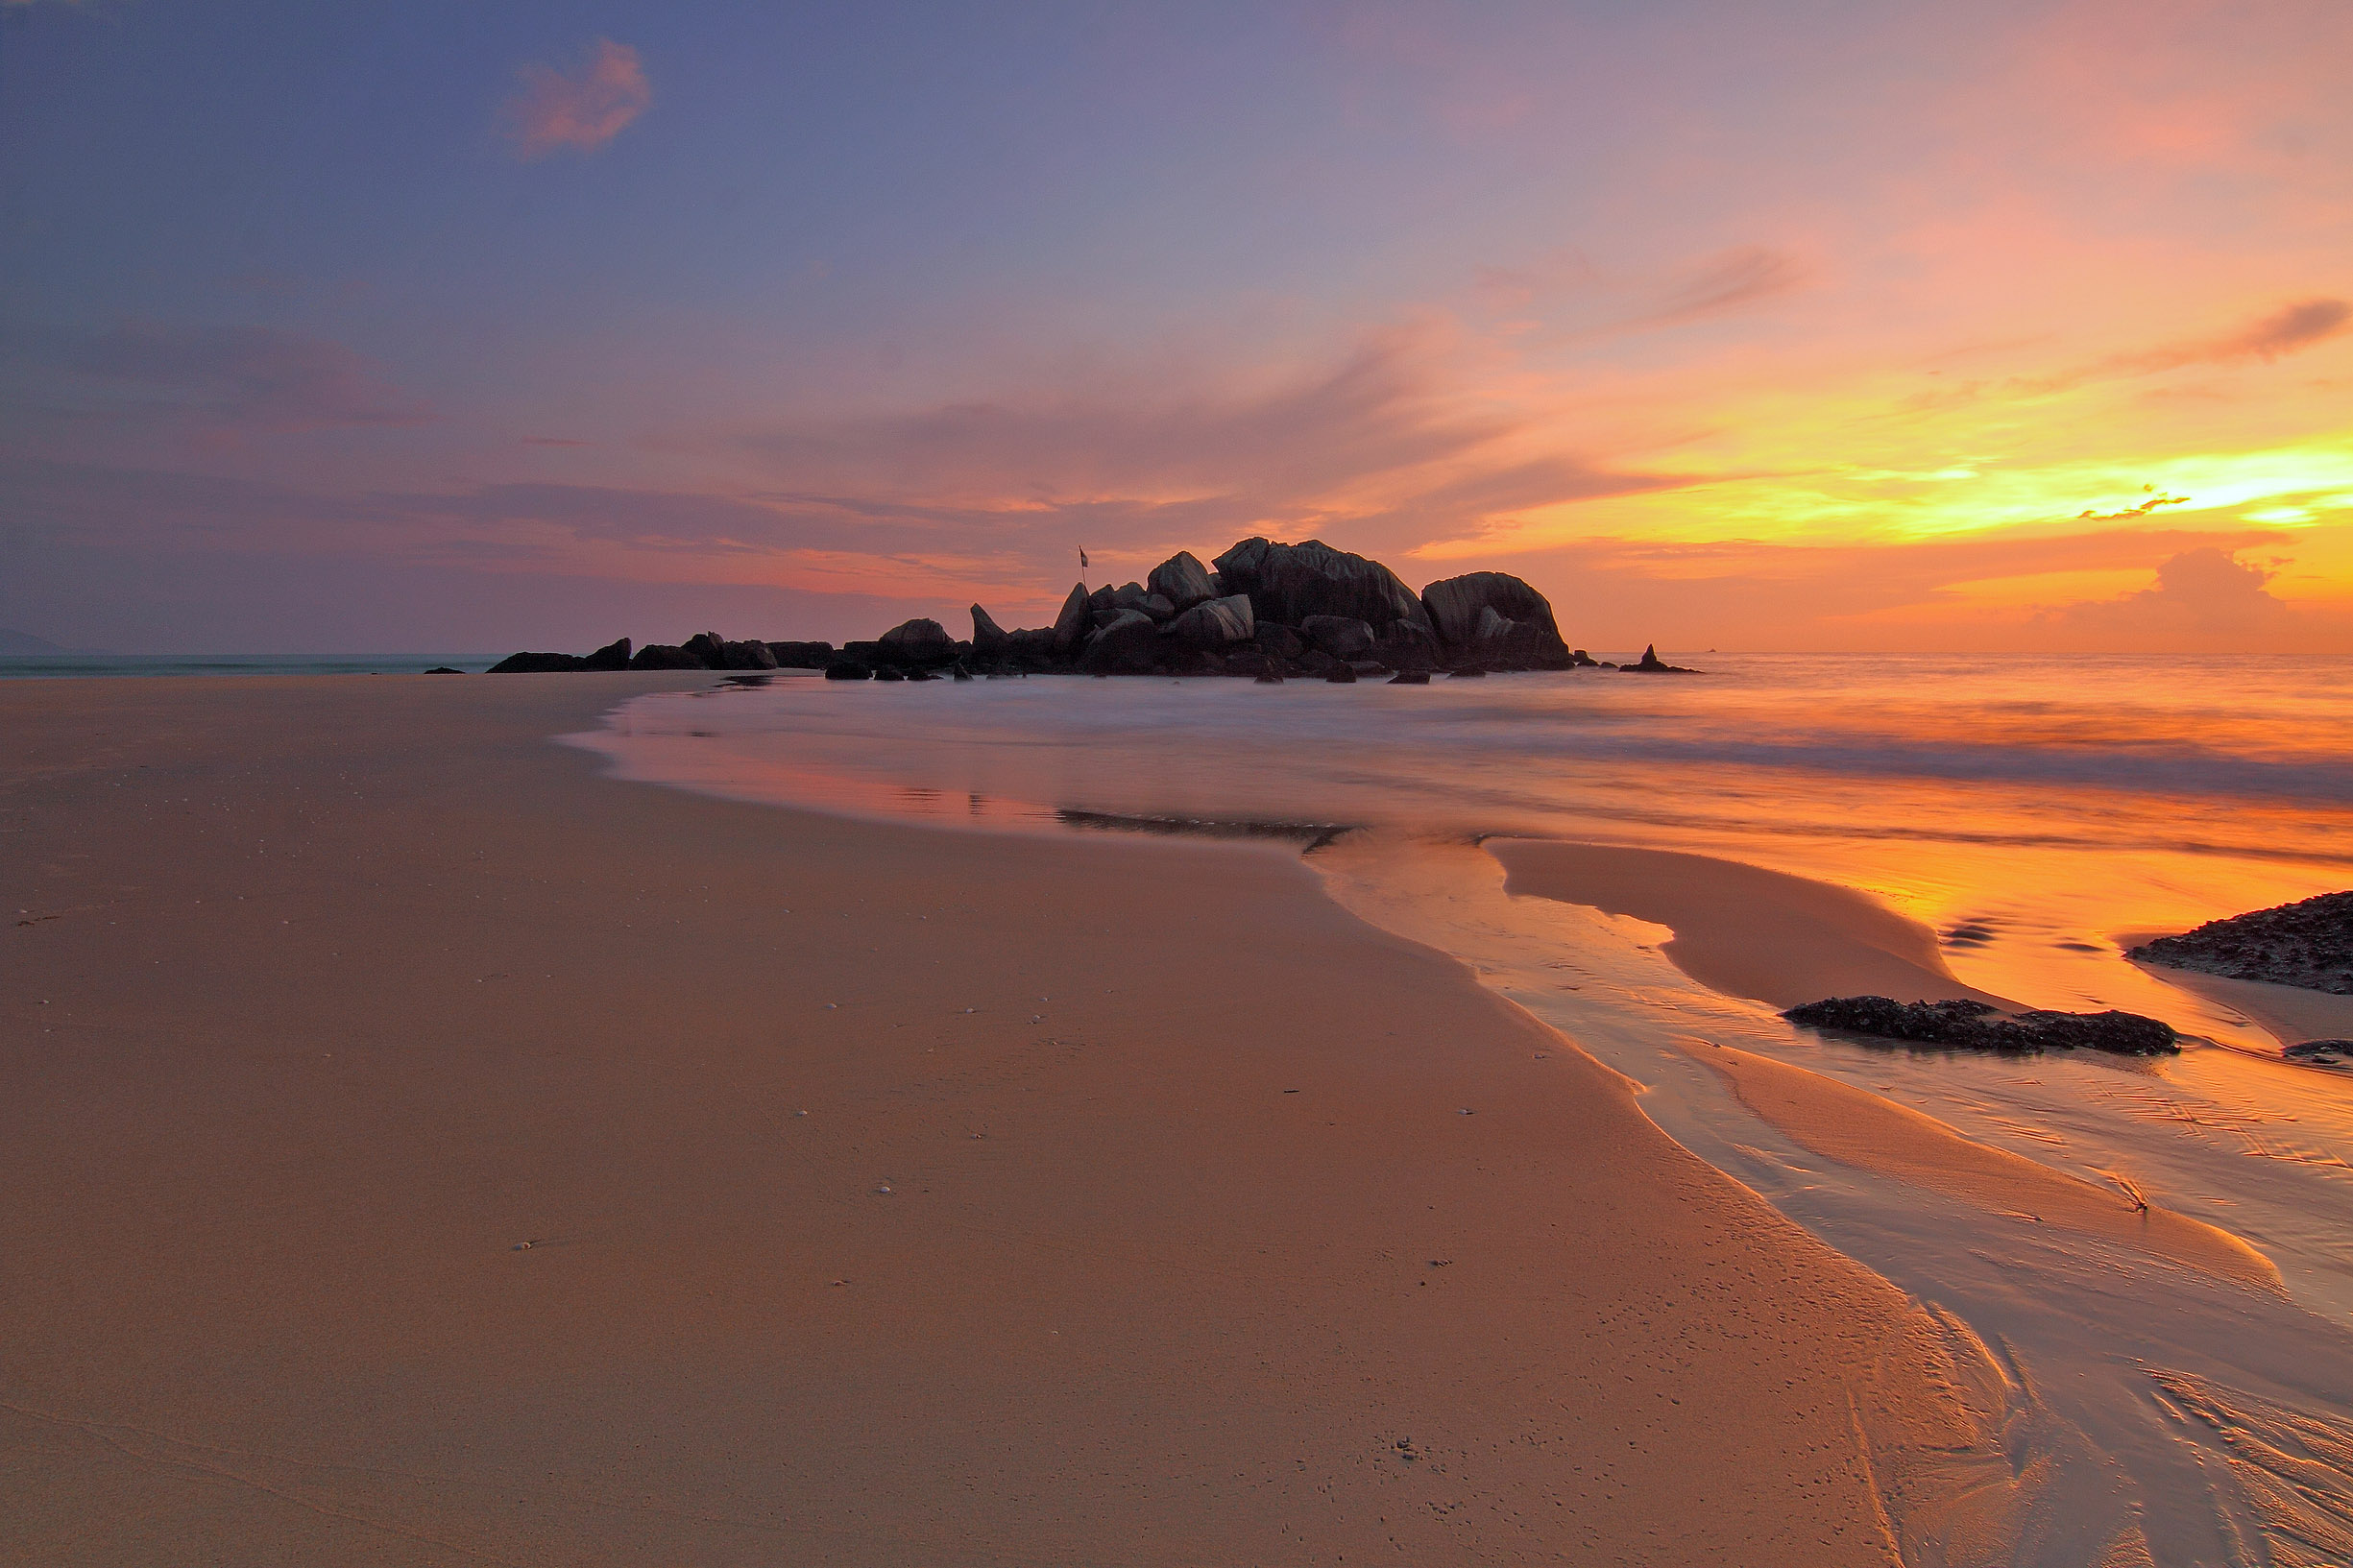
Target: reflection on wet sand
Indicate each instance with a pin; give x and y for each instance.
(2144, 1268)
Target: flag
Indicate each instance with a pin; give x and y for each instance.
(1082, 559)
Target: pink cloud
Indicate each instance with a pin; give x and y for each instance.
(583, 112)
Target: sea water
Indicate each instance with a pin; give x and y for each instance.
(2038, 814)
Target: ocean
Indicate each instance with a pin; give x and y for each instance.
(52, 665)
(2038, 814)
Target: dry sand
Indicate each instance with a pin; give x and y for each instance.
(1742, 930)
(326, 994)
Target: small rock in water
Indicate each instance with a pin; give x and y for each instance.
(1975, 1026)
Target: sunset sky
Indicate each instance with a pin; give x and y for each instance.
(1804, 325)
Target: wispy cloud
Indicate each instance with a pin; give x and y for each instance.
(551, 110)
(1724, 283)
(246, 380)
(2290, 329)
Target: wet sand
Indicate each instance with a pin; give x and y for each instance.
(890, 1196)
(1742, 930)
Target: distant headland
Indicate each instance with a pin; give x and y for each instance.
(1263, 610)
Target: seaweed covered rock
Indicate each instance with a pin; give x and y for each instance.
(1974, 1026)
(2308, 945)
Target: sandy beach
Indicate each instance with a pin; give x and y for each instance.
(423, 1149)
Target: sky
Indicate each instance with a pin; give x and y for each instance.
(1776, 324)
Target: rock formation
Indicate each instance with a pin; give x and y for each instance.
(2308, 945)
(1974, 1026)
(1269, 610)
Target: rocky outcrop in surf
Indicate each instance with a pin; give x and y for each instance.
(2308, 945)
(1974, 1026)
(1263, 609)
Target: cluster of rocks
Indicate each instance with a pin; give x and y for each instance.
(2308, 944)
(1262, 610)
(1974, 1026)
(705, 650)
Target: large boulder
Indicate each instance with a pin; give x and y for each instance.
(989, 638)
(917, 641)
(1128, 645)
(1279, 641)
(665, 656)
(709, 648)
(1506, 643)
(1344, 637)
(802, 655)
(538, 663)
(745, 656)
(612, 655)
(1288, 583)
(1134, 597)
(1072, 623)
(1183, 581)
(1455, 606)
(1213, 625)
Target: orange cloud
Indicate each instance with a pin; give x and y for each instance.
(553, 110)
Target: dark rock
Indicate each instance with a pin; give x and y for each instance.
(1410, 677)
(1183, 581)
(1456, 604)
(443, 669)
(865, 653)
(1288, 583)
(612, 655)
(1465, 672)
(1246, 661)
(1072, 622)
(1100, 608)
(1135, 596)
(1652, 665)
(1367, 668)
(961, 673)
(666, 655)
(917, 641)
(1343, 636)
(1213, 624)
(1317, 662)
(2309, 945)
(1130, 645)
(745, 656)
(1340, 674)
(847, 669)
(538, 663)
(1404, 646)
(2321, 1053)
(989, 638)
(802, 655)
(1975, 1026)
(709, 648)
(1582, 659)
(1277, 640)
(889, 672)
(919, 673)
